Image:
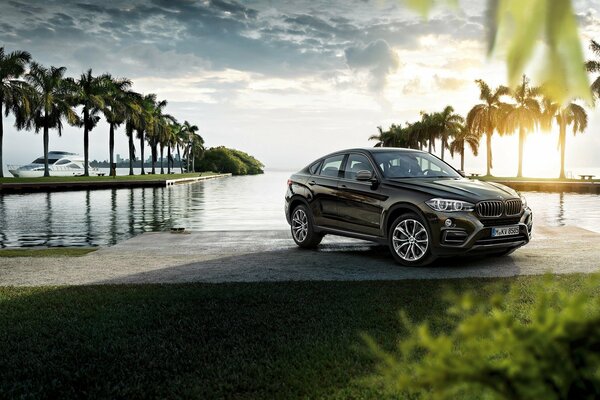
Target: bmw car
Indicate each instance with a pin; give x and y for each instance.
(409, 200)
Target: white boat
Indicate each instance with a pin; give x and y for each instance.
(60, 163)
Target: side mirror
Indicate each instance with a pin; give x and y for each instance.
(462, 173)
(364, 175)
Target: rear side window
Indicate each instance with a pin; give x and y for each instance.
(331, 166)
(314, 167)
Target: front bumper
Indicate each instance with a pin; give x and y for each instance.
(469, 234)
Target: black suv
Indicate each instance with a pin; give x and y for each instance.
(418, 205)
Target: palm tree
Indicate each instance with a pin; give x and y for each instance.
(196, 149)
(429, 129)
(90, 94)
(594, 67)
(484, 118)
(13, 91)
(190, 131)
(158, 123)
(181, 139)
(51, 102)
(464, 137)
(384, 138)
(448, 124)
(569, 114)
(525, 115)
(144, 123)
(120, 104)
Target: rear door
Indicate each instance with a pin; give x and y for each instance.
(324, 188)
(360, 204)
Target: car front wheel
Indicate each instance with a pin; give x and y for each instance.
(303, 230)
(410, 241)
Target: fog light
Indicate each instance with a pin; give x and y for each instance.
(448, 222)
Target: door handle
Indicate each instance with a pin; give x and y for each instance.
(311, 183)
(343, 186)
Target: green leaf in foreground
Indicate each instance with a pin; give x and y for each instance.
(533, 343)
(540, 35)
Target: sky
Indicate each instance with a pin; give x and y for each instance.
(286, 81)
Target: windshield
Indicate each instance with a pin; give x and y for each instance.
(408, 164)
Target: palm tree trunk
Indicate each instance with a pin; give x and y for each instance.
(86, 143)
(488, 141)
(521, 145)
(162, 169)
(193, 163)
(187, 159)
(179, 157)
(46, 139)
(443, 146)
(142, 151)
(111, 148)
(1, 139)
(462, 160)
(169, 159)
(131, 153)
(153, 151)
(562, 141)
(430, 143)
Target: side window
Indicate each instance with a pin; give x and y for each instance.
(314, 168)
(331, 166)
(356, 162)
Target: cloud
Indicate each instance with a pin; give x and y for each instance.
(377, 57)
(449, 83)
(413, 86)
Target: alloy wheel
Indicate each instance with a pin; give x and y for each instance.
(410, 240)
(300, 225)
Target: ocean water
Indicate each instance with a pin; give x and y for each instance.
(252, 203)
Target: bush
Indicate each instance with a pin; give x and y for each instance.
(224, 160)
(545, 346)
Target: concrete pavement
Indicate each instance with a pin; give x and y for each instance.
(250, 256)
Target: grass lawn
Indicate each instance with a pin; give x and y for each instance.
(206, 341)
(50, 252)
(148, 177)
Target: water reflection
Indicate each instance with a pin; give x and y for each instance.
(106, 217)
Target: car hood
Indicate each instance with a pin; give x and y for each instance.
(461, 188)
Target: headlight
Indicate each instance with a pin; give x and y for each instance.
(447, 205)
(523, 200)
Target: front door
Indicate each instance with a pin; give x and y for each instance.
(360, 204)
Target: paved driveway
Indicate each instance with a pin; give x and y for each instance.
(249, 256)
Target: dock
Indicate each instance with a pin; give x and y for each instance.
(551, 186)
(63, 186)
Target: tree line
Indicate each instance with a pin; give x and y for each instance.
(43, 99)
(502, 111)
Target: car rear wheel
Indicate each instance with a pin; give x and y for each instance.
(303, 229)
(410, 241)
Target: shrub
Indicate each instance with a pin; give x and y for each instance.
(512, 346)
(225, 160)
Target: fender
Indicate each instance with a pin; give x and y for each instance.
(397, 206)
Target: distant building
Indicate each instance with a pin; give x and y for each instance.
(119, 159)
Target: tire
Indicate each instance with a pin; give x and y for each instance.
(302, 228)
(409, 240)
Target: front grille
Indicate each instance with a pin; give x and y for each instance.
(513, 207)
(500, 221)
(492, 208)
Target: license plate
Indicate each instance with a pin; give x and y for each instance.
(505, 231)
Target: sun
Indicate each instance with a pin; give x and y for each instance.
(541, 157)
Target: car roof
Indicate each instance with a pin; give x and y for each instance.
(373, 150)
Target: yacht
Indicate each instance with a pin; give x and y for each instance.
(60, 163)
